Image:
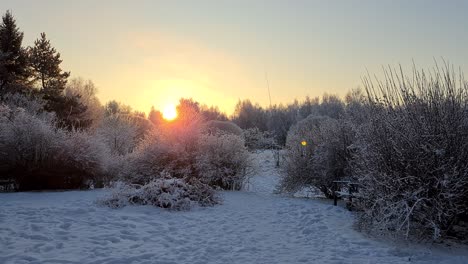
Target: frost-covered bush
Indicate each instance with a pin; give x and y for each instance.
(173, 194)
(412, 155)
(154, 156)
(222, 161)
(216, 126)
(256, 139)
(317, 153)
(27, 143)
(84, 158)
(38, 155)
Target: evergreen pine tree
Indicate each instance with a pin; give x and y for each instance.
(51, 81)
(14, 70)
(45, 62)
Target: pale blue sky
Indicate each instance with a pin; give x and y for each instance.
(153, 52)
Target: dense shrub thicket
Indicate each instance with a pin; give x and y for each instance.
(38, 155)
(405, 143)
(412, 154)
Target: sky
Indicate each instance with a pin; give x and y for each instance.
(151, 53)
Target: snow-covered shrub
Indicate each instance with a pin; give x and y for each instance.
(222, 161)
(412, 155)
(122, 194)
(154, 156)
(317, 153)
(38, 155)
(117, 166)
(27, 143)
(256, 139)
(216, 126)
(173, 194)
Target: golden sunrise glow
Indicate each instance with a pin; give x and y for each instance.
(170, 112)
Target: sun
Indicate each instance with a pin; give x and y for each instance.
(169, 113)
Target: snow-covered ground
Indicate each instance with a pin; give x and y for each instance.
(254, 226)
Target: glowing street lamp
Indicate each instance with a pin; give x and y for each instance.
(303, 144)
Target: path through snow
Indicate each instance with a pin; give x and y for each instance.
(249, 227)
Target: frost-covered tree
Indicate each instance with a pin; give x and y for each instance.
(155, 116)
(309, 106)
(113, 108)
(85, 94)
(26, 102)
(357, 107)
(188, 110)
(256, 139)
(212, 113)
(280, 119)
(249, 115)
(119, 133)
(332, 106)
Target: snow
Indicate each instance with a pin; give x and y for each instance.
(253, 226)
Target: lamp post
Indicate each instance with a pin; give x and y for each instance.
(304, 145)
